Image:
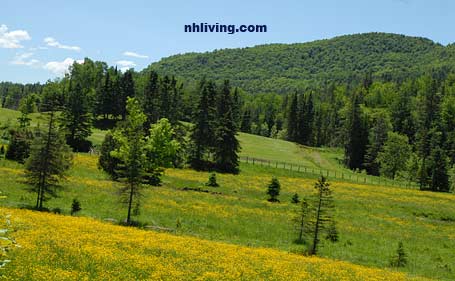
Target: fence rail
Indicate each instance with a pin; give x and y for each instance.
(355, 177)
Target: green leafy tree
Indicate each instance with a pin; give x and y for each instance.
(394, 155)
(162, 149)
(106, 161)
(132, 154)
(49, 159)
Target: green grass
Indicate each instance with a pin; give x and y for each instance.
(371, 219)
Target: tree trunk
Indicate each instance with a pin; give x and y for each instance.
(316, 227)
(130, 204)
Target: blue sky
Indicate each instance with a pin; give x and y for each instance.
(38, 39)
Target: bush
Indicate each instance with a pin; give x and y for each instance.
(57, 210)
(75, 206)
(273, 190)
(212, 181)
(295, 199)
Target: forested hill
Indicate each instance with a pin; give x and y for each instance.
(282, 68)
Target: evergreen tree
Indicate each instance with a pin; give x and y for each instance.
(303, 222)
(19, 146)
(151, 99)
(401, 111)
(273, 190)
(356, 135)
(245, 125)
(400, 259)
(292, 119)
(377, 137)
(295, 199)
(49, 159)
(75, 206)
(131, 153)
(202, 131)
(226, 144)
(104, 102)
(165, 96)
(126, 91)
(438, 166)
(323, 212)
(77, 120)
(237, 107)
(212, 180)
(428, 100)
(307, 122)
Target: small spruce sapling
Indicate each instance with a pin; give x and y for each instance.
(75, 206)
(212, 180)
(332, 233)
(295, 199)
(273, 190)
(400, 259)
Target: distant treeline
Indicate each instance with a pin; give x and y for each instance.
(403, 129)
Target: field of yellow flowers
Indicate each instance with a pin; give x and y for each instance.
(55, 247)
(371, 221)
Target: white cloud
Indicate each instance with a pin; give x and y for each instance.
(24, 59)
(125, 65)
(54, 43)
(60, 67)
(12, 39)
(134, 55)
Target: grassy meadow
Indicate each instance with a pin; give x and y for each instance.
(371, 220)
(63, 248)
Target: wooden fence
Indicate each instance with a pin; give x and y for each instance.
(331, 174)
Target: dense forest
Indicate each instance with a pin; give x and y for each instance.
(388, 100)
(283, 68)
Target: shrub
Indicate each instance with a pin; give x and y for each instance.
(295, 199)
(75, 206)
(212, 180)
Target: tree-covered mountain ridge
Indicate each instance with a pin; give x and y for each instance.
(284, 68)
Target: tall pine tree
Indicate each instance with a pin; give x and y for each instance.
(226, 146)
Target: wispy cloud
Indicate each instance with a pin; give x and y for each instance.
(125, 64)
(134, 55)
(12, 39)
(60, 67)
(25, 59)
(51, 42)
